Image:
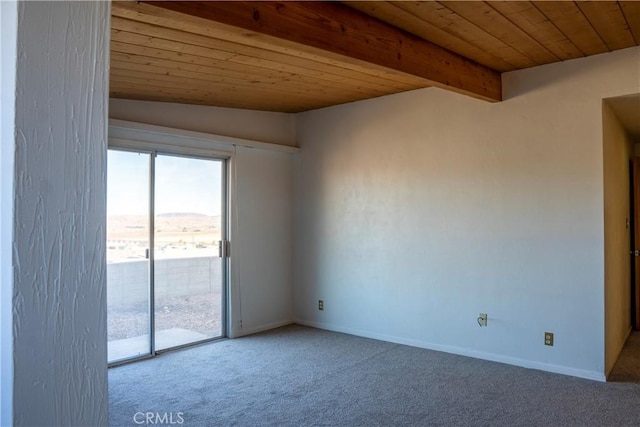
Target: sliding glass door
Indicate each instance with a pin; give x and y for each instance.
(128, 242)
(188, 271)
(165, 270)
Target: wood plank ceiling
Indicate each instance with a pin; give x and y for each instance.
(298, 56)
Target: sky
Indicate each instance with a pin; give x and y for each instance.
(182, 184)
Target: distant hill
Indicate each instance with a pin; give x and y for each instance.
(183, 215)
(174, 226)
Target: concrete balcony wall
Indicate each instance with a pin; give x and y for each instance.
(127, 282)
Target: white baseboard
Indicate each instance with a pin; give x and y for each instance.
(556, 369)
(261, 328)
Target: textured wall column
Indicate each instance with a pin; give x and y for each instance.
(59, 283)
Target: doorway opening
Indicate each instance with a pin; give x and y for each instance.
(634, 193)
(620, 133)
(166, 252)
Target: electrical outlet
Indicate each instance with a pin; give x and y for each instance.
(482, 319)
(548, 338)
(320, 305)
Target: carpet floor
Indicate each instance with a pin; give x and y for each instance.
(300, 376)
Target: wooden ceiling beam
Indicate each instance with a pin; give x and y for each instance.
(338, 29)
(245, 54)
(399, 14)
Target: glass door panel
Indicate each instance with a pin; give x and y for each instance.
(128, 323)
(188, 272)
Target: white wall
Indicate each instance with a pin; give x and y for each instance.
(59, 304)
(617, 152)
(262, 240)
(262, 193)
(277, 128)
(8, 42)
(417, 211)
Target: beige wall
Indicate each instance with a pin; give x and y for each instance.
(617, 150)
